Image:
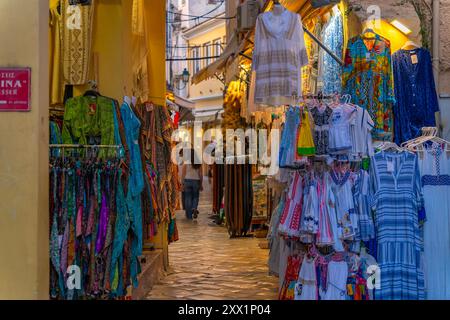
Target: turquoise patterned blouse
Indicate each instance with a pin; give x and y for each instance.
(367, 77)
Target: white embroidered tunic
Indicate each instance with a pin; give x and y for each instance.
(278, 57)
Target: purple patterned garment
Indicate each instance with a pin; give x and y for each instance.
(103, 226)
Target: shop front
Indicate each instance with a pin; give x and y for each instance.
(89, 194)
(346, 93)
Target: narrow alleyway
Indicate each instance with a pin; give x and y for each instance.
(206, 264)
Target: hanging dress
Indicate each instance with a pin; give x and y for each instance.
(415, 93)
(366, 228)
(397, 202)
(278, 56)
(306, 288)
(310, 214)
(274, 239)
(305, 141)
(76, 41)
(289, 138)
(435, 172)
(357, 284)
(321, 129)
(339, 130)
(367, 77)
(336, 281)
(331, 70)
(328, 234)
(287, 291)
(345, 207)
(291, 217)
(135, 185)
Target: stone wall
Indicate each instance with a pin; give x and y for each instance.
(444, 78)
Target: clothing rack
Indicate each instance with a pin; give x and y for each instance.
(75, 146)
(319, 96)
(83, 146)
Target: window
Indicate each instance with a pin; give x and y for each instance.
(217, 48)
(195, 55)
(207, 53)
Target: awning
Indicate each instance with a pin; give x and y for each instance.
(183, 102)
(183, 106)
(186, 114)
(230, 53)
(208, 114)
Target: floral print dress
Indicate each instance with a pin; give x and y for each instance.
(367, 77)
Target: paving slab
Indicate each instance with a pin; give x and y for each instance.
(206, 264)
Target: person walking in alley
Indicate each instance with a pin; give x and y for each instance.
(192, 184)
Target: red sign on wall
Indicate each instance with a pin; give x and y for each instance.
(15, 89)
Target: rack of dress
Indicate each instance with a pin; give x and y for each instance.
(327, 202)
(93, 225)
(161, 182)
(312, 274)
(340, 130)
(96, 197)
(434, 165)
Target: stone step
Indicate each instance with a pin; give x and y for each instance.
(152, 264)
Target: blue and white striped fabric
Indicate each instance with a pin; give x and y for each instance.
(366, 229)
(397, 200)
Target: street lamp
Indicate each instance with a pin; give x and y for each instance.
(184, 77)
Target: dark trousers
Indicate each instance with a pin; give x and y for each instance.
(191, 196)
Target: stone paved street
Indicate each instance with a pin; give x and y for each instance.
(206, 264)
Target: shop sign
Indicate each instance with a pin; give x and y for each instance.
(15, 89)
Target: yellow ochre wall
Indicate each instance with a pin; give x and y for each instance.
(24, 260)
(395, 36)
(156, 22)
(112, 45)
(111, 29)
(24, 199)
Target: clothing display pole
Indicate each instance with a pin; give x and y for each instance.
(324, 47)
(82, 146)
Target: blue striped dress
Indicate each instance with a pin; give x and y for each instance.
(397, 200)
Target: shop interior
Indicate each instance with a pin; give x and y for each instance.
(332, 210)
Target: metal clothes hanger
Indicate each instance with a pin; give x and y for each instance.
(93, 91)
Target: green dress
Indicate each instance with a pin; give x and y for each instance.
(89, 120)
